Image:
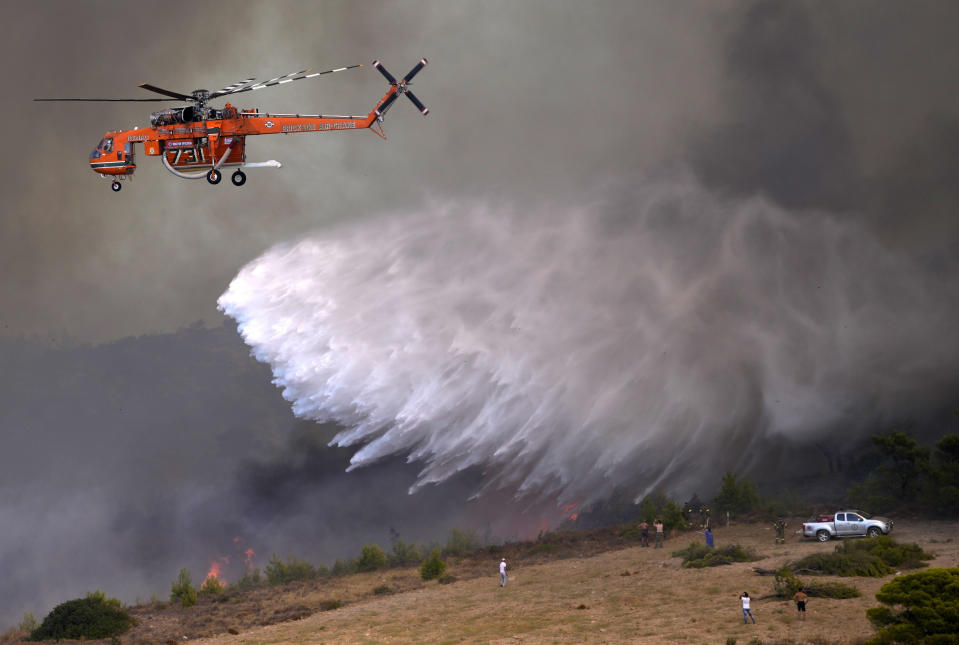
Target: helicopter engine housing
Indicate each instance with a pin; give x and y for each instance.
(172, 115)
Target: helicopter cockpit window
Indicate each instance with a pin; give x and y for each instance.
(107, 144)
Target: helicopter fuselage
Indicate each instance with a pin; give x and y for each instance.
(212, 142)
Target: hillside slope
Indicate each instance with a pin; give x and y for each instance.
(589, 588)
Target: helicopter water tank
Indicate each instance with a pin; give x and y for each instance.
(172, 115)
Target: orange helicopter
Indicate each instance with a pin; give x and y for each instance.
(196, 141)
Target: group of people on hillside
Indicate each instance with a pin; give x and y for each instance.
(644, 533)
(800, 597)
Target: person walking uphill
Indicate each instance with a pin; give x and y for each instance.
(746, 611)
(502, 572)
(658, 524)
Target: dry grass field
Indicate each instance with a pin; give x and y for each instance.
(631, 595)
(579, 594)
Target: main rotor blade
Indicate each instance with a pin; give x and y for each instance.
(234, 86)
(416, 70)
(160, 90)
(107, 100)
(389, 77)
(381, 110)
(422, 108)
(289, 78)
(241, 87)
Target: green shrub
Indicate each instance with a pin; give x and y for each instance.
(183, 590)
(251, 578)
(405, 553)
(382, 590)
(372, 557)
(29, 622)
(93, 617)
(659, 506)
(870, 557)
(279, 572)
(461, 542)
(836, 590)
(697, 556)
(737, 496)
(433, 567)
(921, 607)
(330, 605)
(843, 564)
(341, 568)
(787, 584)
(901, 556)
(211, 585)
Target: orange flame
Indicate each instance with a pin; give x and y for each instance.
(572, 518)
(214, 571)
(216, 568)
(249, 554)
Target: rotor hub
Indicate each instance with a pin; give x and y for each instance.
(201, 96)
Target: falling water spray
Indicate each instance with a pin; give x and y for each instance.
(657, 335)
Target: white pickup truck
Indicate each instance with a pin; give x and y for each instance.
(848, 523)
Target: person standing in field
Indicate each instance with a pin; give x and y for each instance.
(800, 597)
(780, 526)
(502, 572)
(746, 611)
(658, 524)
(709, 538)
(644, 533)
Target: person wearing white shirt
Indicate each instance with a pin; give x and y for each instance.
(746, 612)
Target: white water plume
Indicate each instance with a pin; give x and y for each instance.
(658, 335)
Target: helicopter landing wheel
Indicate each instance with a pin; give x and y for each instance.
(116, 186)
(214, 176)
(238, 178)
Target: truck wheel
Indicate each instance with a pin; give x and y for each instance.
(822, 535)
(873, 531)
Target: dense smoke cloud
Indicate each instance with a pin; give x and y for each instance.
(584, 347)
(152, 454)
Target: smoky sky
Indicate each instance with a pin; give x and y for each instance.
(125, 462)
(817, 140)
(812, 104)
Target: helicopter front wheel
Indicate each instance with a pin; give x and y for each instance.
(238, 178)
(214, 176)
(116, 186)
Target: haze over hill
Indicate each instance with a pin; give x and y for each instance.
(133, 459)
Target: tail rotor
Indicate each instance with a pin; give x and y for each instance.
(400, 87)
